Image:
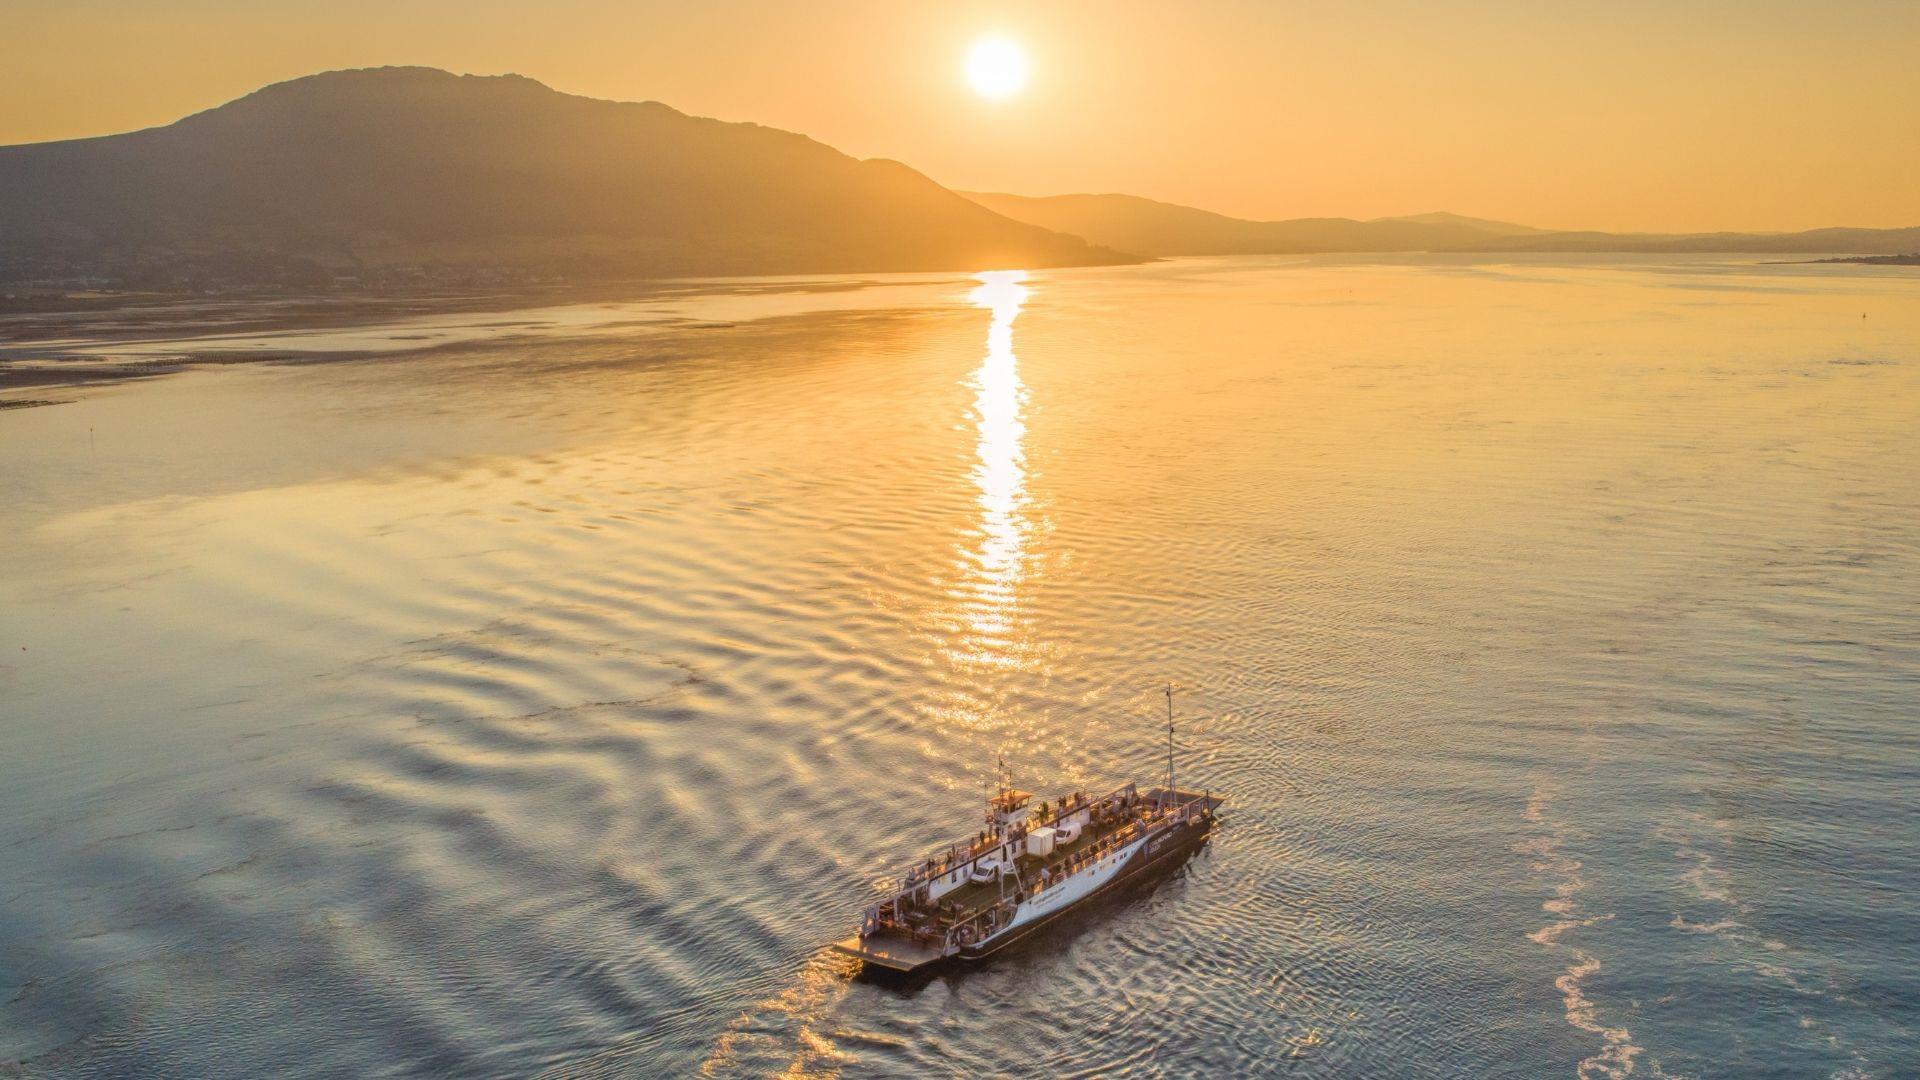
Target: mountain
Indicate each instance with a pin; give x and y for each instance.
(1156, 228)
(350, 173)
(1131, 223)
(1809, 242)
(1485, 225)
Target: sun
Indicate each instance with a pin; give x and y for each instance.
(996, 68)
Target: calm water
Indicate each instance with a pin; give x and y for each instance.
(546, 701)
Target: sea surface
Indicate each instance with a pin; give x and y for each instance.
(542, 698)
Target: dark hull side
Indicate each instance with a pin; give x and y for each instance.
(1158, 858)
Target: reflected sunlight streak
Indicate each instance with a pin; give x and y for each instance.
(999, 561)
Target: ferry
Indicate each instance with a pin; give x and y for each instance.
(1029, 867)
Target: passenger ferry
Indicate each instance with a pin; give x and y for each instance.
(1029, 867)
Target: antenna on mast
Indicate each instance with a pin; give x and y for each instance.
(1169, 744)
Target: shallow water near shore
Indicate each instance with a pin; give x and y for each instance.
(544, 702)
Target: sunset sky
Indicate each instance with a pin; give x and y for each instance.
(1628, 115)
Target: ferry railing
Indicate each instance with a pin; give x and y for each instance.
(942, 863)
(976, 927)
(1113, 841)
(1163, 813)
(1168, 813)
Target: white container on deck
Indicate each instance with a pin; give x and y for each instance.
(1040, 840)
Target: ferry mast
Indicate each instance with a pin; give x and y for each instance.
(1169, 742)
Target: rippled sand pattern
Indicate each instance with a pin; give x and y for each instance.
(542, 704)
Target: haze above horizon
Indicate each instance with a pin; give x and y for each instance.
(1701, 116)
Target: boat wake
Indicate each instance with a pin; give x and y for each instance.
(1616, 1058)
(1731, 922)
(790, 1032)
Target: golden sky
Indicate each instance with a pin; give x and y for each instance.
(1625, 115)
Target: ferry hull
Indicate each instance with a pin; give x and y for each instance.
(1177, 824)
(1152, 861)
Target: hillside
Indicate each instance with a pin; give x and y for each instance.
(1809, 242)
(352, 175)
(1156, 228)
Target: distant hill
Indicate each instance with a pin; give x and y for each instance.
(371, 172)
(1809, 242)
(1484, 225)
(1156, 228)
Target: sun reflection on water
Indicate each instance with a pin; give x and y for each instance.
(997, 564)
(982, 627)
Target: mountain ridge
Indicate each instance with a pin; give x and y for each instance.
(363, 172)
(374, 178)
(1152, 227)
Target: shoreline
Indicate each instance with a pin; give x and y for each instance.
(1912, 259)
(42, 350)
(192, 336)
(142, 336)
(123, 318)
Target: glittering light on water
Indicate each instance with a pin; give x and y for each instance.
(998, 563)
